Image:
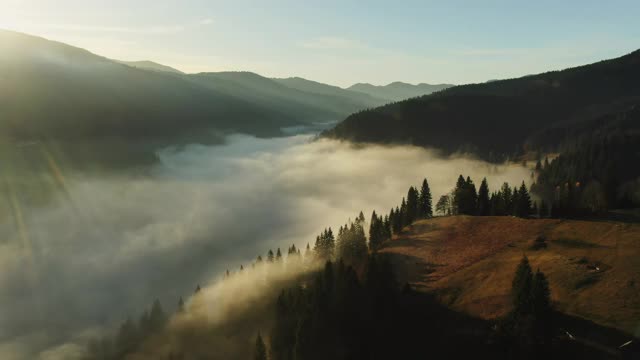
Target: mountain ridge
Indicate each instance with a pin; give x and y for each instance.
(398, 90)
(495, 119)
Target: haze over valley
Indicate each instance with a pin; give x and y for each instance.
(292, 182)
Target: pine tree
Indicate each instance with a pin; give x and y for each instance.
(375, 231)
(484, 206)
(307, 253)
(540, 295)
(260, 352)
(465, 196)
(180, 305)
(412, 206)
(387, 227)
(521, 287)
(506, 200)
(523, 202)
(472, 195)
(425, 209)
(270, 256)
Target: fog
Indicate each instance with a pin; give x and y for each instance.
(106, 247)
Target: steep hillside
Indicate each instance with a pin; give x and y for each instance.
(397, 91)
(469, 262)
(52, 90)
(495, 119)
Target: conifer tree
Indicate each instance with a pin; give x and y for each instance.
(523, 202)
(278, 255)
(375, 231)
(484, 206)
(412, 206)
(387, 227)
(521, 287)
(506, 200)
(307, 253)
(540, 295)
(270, 256)
(260, 352)
(425, 209)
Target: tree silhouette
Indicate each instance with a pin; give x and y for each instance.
(260, 352)
(424, 202)
(484, 206)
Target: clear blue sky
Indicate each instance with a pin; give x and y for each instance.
(342, 42)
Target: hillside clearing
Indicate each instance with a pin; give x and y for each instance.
(468, 262)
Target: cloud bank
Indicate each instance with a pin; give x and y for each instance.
(109, 245)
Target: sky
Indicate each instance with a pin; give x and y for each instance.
(341, 42)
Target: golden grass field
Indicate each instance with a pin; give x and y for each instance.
(593, 266)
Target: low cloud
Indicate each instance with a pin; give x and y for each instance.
(107, 246)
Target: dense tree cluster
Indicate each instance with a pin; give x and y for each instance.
(379, 230)
(352, 241)
(343, 314)
(131, 334)
(465, 200)
(325, 245)
(597, 166)
(333, 316)
(417, 205)
(591, 178)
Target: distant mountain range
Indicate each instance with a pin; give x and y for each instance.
(397, 91)
(55, 92)
(503, 118)
(50, 89)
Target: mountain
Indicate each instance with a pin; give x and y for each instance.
(330, 90)
(150, 65)
(397, 91)
(496, 119)
(50, 91)
(288, 98)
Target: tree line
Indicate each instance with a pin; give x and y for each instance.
(464, 199)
